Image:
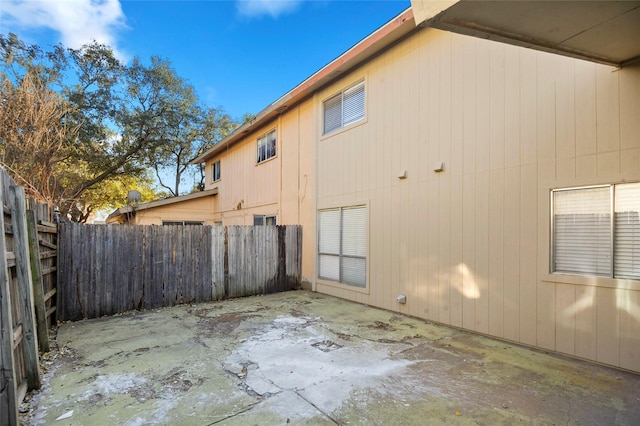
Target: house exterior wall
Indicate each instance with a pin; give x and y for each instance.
(281, 186)
(470, 246)
(246, 188)
(198, 209)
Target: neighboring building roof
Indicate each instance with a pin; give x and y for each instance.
(607, 32)
(373, 44)
(118, 214)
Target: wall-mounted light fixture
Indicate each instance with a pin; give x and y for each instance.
(402, 174)
(439, 167)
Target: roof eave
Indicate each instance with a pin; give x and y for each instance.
(158, 203)
(370, 46)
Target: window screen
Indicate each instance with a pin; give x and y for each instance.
(344, 108)
(596, 231)
(342, 245)
(627, 231)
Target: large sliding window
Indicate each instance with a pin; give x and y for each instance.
(344, 108)
(596, 231)
(342, 245)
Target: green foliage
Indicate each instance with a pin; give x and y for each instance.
(111, 122)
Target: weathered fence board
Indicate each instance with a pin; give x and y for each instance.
(105, 270)
(8, 363)
(25, 286)
(21, 327)
(219, 263)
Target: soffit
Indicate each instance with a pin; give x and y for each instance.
(601, 31)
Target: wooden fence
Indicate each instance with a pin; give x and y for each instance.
(27, 290)
(107, 269)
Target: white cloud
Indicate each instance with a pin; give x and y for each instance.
(77, 21)
(273, 8)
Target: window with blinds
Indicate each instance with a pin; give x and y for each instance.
(344, 108)
(596, 231)
(342, 245)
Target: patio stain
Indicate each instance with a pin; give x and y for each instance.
(306, 358)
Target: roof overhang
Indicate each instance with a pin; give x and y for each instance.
(606, 32)
(382, 38)
(113, 217)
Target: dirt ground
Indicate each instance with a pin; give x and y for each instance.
(305, 358)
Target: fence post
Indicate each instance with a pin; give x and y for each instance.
(25, 287)
(226, 262)
(38, 290)
(8, 371)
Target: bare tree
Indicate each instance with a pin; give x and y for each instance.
(33, 132)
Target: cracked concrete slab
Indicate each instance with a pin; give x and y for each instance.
(306, 358)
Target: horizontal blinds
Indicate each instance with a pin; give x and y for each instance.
(627, 231)
(582, 231)
(329, 244)
(329, 232)
(329, 267)
(354, 271)
(353, 104)
(333, 113)
(342, 245)
(354, 229)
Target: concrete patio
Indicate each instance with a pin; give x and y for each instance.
(306, 358)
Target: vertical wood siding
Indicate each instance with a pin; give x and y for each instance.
(470, 246)
(105, 270)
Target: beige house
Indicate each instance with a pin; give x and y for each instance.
(471, 182)
(191, 209)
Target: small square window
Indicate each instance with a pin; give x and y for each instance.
(267, 146)
(344, 108)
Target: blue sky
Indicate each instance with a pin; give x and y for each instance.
(240, 55)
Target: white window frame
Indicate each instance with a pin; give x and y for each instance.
(215, 171)
(343, 249)
(344, 108)
(600, 235)
(265, 219)
(266, 147)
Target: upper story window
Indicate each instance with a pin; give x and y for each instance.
(596, 231)
(344, 108)
(215, 171)
(267, 146)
